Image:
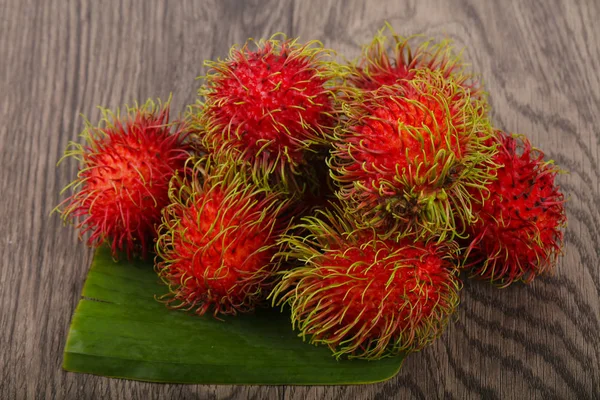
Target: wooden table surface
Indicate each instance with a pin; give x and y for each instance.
(541, 63)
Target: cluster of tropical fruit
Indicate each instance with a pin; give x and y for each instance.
(352, 195)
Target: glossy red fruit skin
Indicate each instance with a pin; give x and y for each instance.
(217, 241)
(364, 297)
(518, 235)
(122, 183)
(271, 105)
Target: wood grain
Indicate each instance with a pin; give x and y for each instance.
(62, 58)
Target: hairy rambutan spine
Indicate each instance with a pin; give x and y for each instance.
(518, 233)
(365, 297)
(122, 183)
(408, 157)
(270, 105)
(217, 239)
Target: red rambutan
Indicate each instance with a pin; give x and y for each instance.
(122, 184)
(518, 232)
(383, 63)
(269, 106)
(407, 156)
(218, 238)
(365, 297)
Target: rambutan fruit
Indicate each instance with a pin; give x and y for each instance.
(517, 235)
(122, 183)
(365, 297)
(406, 158)
(390, 59)
(218, 238)
(271, 105)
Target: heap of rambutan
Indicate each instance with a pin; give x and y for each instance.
(390, 163)
(122, 183)
(218, 238)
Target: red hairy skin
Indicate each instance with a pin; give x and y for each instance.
(217, 241)
(271, 105)
(390, 59)
(123, 181)
(405, 156)
(518, 232)
(364, 297)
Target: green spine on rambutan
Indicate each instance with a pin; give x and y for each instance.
(413, 177)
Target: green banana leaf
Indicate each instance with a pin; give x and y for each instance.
(120, 330)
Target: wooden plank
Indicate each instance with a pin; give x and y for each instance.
(61, 58)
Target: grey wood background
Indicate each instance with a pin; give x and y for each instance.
(540, 60)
